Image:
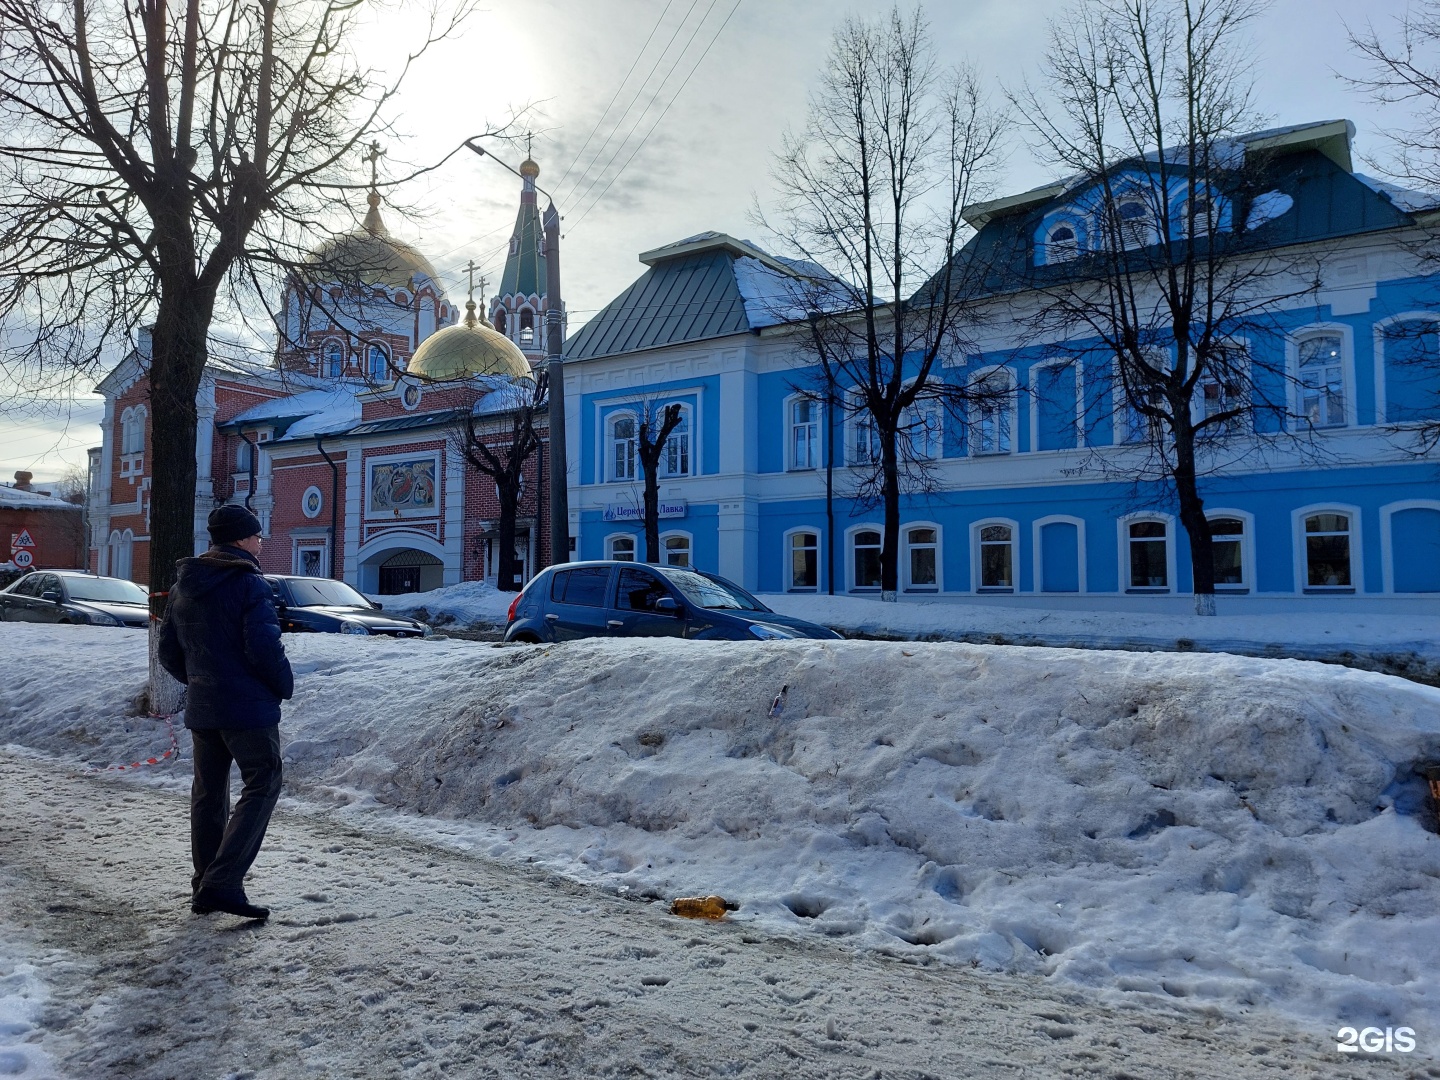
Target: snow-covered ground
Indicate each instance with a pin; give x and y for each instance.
(23, 994)
(1228, 832)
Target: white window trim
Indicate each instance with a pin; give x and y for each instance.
(1297, 550)
(788, 427)
(1123, 530)
(370, 347)
(607, 443)
(1062, 251)
(1037, 553)
(635, 543)
(1347, 372)
(325, 358)
(1055, 362)
(1387, 547)
(905, 585)
(1381, 361)
(939, 411)
(975, 563)
(689, 539)
(1120, 401)
(1247, 548)
(1197, 400)
(787, 585)
(305, 542)
(857, 413)
(850, 533)
(973, 411)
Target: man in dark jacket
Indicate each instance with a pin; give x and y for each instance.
(221, 638)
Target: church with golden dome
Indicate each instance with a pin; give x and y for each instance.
(375, 442)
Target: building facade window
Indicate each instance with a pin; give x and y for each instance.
(526, 337)
(1062, 245)
(334, 359)
(991, 413)
(1149, 551)
(995, 543)
(622, 447)
(922, 559)
(675, 456)
(620, 547)
(864, 446)
(865, 558)
(803, 441)
(1327, 551)
(132, 430)
(1227, 542)
(675, 549)
(1134, 223)
(1322, 387)
(920, 430)
(379, 363)
(802, 551)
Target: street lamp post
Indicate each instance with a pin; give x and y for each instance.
(555, 372)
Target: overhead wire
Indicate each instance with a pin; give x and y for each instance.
(661, 117)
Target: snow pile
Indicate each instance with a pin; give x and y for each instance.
(22, 999)
(1215, 828)
(466, 604)
(1404, 644)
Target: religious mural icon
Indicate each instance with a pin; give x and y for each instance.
(312, 502)
(405, 487)
(410, 396)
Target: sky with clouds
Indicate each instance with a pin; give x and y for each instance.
(657, 119)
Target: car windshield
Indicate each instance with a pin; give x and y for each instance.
(708, 592)
(106, 590)
(322, 592)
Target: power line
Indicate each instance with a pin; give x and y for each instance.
(639, 91)
(581, 152)
(653, 126)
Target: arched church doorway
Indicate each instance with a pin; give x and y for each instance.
(410, 571)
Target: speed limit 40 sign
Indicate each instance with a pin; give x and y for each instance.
(23, 559)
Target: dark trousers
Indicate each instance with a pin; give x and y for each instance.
(223, 843)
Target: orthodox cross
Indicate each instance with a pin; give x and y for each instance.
(470, 270)
(373, 157)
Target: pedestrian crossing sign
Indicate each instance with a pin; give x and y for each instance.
(21, 541)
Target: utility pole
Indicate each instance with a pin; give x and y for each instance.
(555, 369)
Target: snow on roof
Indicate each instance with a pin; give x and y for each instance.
(316, 412)
(15, 499)
(1402, 198)
(772, 298)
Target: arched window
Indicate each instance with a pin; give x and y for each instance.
(515, 244)
(995, 553)
(242, 456)
(675, 457)
(802, 560)
(526, 337)
(920, 430)
(132, 430)
(499, 318)
(991, 412)
(1327, 551)
(1134, 224)
(622, 458)
(334, 359)
(620, 546)
(675, 549)
(1322, 387)
(1062, 244)
(921, 561)
(1198, 217)
(865, 558)
(379, 363)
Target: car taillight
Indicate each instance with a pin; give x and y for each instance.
(510, 615)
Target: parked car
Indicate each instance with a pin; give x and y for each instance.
(322, 605)
(73, 596)
(625, 599)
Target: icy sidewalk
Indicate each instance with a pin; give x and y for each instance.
(391, 958)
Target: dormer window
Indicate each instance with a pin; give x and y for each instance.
(1133, 222)
(515, 244)
(1200, 218)
(1061, 245)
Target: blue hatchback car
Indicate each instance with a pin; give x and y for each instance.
(626, 599)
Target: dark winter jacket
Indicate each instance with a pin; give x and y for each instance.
(221, 638)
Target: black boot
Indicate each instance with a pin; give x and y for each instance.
(230, 901)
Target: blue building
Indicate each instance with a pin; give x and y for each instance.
(1030, 501)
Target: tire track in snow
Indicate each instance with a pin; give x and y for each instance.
(387, 958)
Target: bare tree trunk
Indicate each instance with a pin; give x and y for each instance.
(652, 516)
(507, 565)
(1192, 518)
(890, 541)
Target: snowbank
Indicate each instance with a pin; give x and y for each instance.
(1398, 644)
(1229, 831)
(467, 604)
(23, 995)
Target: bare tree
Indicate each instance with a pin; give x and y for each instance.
(1176, 289)
(652, 443)
(873, 187)
(496, 431)
(161, 163)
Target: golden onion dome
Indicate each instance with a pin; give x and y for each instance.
(370, 256)
(467, 349)
(529, 168)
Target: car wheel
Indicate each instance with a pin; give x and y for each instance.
(526, 639)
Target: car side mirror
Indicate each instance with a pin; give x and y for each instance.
(51, 596)
(666, 605)
(377, 606)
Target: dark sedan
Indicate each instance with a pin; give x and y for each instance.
(309, 605)
(626, 599)
(73, 596)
